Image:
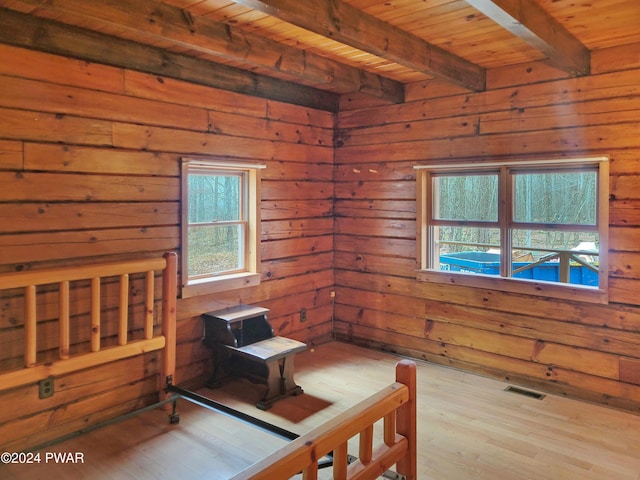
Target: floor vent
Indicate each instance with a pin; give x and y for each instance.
(526, 393)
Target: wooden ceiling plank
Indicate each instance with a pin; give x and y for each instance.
(344, 23)
(534, 25)
(162, 22)
(49, 36)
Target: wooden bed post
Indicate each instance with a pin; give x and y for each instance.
(30, 324)
(169, 301)
(395, 405)
(407, 417)
(64, 313)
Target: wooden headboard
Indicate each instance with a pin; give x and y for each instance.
(34, 370)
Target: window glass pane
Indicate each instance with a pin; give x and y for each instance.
(553, 256)
(466, 197)
(215, 249)
(472, 250)
(567, 197)
(214, 198)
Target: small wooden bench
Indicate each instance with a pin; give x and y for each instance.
(243, 341)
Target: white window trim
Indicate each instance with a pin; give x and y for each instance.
(251, 275)
(508, 284)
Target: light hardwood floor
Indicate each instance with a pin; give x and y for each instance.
(469, 428)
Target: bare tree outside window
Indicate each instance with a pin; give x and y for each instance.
(514, 220)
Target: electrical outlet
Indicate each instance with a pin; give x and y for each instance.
(45, 388)
(303, 314)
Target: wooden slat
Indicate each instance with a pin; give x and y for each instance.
(48, 307)
(81, 272)
(123, 311)
(64, 319)
(382, 459)
(340, 461)
(389, 432)
(365, 450)
(311, 472)
(149, 304)
(95, 314)
(30, 324)
(169, 305)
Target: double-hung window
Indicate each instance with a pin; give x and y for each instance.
(220, 226)
(531, 227)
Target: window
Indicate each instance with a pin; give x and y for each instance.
(534, 226)
(220, 226)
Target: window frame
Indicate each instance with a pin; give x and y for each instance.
(193, 285)
(425, 246)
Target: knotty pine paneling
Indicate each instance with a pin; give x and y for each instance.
(90, 168)
(564, 346)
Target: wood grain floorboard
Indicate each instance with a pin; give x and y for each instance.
(469, 428)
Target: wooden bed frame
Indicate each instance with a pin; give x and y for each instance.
(395, 404)
(33, 371)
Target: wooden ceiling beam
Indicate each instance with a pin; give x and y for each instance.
(346, 24)
(49, 36)
(534, 25)
(157, 21)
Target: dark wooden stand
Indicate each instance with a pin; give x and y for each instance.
(243, 343)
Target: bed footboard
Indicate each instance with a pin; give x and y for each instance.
(395, 404)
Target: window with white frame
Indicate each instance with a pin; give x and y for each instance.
(220, 225)
(534, 222)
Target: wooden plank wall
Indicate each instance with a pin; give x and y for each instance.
(580, 349)
(89, 168)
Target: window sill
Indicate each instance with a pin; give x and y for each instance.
(522, 286)
(221, 284)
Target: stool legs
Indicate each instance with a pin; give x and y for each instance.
(280, 382)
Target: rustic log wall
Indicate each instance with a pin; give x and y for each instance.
(89, 168)
(587, 350)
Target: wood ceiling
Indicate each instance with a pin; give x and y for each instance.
(312, 51)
